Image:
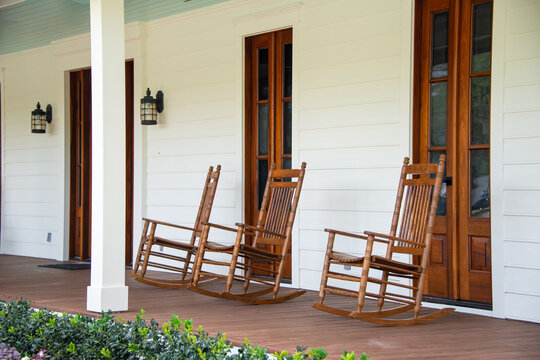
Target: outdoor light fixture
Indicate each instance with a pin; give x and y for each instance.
(40, 119)
(150, 107)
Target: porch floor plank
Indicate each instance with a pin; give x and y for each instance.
(280, 326)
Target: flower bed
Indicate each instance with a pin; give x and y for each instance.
(67, 336)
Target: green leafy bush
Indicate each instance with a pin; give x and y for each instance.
(81, 337)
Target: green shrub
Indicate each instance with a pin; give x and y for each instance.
(81, 337)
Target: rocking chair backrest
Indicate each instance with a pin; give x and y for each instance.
(205, 207)
(279, 203)
(416, 206)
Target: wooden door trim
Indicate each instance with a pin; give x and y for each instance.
(271, 41)
(130, 102)
(458, 107)
(463, 143)
(77, 95)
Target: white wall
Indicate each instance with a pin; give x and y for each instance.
(516, 156)
(352, 79)
(32, 165)
(352, 85)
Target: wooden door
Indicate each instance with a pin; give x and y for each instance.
(81, 164)
(268, 89)
(129, 160)
(452, 96)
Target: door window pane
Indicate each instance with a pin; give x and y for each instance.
(439, 45)
(262, 128)
(438, 103)
(480, 183)
(480, 95)
(481, 42)
(287, 128)
(286, 163)
(441, 206)
(287, 70)
(263, 74)
(262, 172)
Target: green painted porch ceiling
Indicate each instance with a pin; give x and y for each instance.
(34, 23)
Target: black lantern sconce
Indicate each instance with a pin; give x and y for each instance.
(40, 119)
(150, 107)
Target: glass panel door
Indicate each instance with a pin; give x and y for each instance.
(453, 108)
(268, 117)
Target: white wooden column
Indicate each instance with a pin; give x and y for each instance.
(107, 290)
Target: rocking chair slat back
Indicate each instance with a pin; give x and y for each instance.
(414, 210)
(279, 205)
(207, 199)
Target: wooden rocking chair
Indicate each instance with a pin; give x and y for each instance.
(415, 216)
(274, 226)
(182, 252)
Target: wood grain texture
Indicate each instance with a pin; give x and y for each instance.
(281, 326)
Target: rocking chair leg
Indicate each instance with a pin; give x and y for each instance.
(248, 272)
(234, 259)
(141, 246)
(365, 273)
(149, 243)
(418, 296)
(186, 265)
(200, 255)
(278, 278)
(382, 291)
(324, 277)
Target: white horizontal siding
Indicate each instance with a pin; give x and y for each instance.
(350, 120)
(521, 160)
(32, 186)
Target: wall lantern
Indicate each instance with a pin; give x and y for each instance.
(40, 119)
(150, 107)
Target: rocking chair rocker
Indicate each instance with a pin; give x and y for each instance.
(180, 252)
(417, 213)
(274, 226)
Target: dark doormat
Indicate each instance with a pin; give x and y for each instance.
(67, 266)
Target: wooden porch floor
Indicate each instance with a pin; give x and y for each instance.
(280, 326)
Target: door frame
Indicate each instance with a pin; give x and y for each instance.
(273, 41)
(454, 111)
(249, 25)
(132, 137)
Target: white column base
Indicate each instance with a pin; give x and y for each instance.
(100, 299)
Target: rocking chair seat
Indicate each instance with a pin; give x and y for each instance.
(245, 249)
(346, 258)
(217, 246)
(376, 262)
(174, 244)
(393, 265)
(258, 253)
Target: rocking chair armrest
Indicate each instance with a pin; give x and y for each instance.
(254, 228)
(222, 227)
(169, 224)
(377, 237)
(344, 233)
